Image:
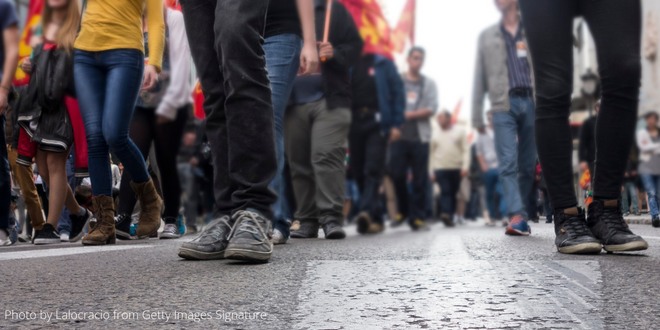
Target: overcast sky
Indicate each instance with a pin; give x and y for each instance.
(448, 29)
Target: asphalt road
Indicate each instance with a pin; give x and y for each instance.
(469, 277)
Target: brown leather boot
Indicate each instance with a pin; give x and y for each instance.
(103, 208)
(150, 205)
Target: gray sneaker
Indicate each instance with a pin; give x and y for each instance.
(249, 238)
(171, 230)
(211, 242)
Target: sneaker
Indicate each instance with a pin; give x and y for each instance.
(573, 235)
(191, 230)
(447, 220)
(505, 222)
(78, 224)
(363, 222)
(375, 228)
(306, 229)
(123, 226)
(491, 223)
(419, 225)
(548, 220)
(295, 225)
(171, 230)
(249, 239)
(535, 220)
(64, 237)
(8, 236)
(332, 229)
(24, 239)
(181, 223)
(637, 213)
(655, 223)
(211, 242)
(518, 227)
(625, 214)
(398, 221)
(278, 237)
(607, 224)
(47, 235)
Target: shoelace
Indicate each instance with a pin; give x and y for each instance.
(516, 221)
(215, 229)
(170, 227)
(575, 225)
(247, 221)
(614, 220)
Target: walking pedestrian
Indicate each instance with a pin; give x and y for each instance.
(629, 190)
(487, 157)
(616, 28)
(648, 142)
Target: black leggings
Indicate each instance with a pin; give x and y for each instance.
(616, 28)
(167, 140)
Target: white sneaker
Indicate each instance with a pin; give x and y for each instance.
(278, 237)
(4, 238)
(64, 237)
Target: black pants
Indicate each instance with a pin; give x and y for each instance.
(226, 38)
(368, 147)
(167, 140)
(449, 182)
(616, 27)
(411, 155)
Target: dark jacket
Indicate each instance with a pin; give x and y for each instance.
(587, 147)
(347, 45)
(391, 94)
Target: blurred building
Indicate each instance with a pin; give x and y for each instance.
(650, 92)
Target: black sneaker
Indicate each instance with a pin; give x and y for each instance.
(332, 229)
(211, 242)
(78, 224)
(606, 223)
(447, 220)
(249, 239)
(398, 221)
(123, 226)
(655, 223)
(47, 235)
(573, 235)
(420, 225)
(548, 220)
(363, 222)
(308, 229)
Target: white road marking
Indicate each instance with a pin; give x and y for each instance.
(66, 251)
(650, 237)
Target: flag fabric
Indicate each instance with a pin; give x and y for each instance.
(198, 100)
(405, 28)
(32, 20)
(174, 4)
(372, 25)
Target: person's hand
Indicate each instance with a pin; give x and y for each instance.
(160, 119)
(309, 59)
(325, 50)
(464, 173)
(4, 100)
(26, 66)
(150, 77)
(395, 134)
(584, 166)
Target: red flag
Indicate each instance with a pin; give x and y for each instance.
(174, 4)
(24, 49)
(405, 28)
(372, 25)
(198, 100)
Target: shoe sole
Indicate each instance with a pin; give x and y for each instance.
(108, 242)
(362, 225)
(515, 232)
(149, 235)
(168, 236)
(44, 241)
(248, 255)
(632, 246)
(190, 254)
(336, 234)
(278, 242)
(584, 248)
(122, 235)
(82, 232)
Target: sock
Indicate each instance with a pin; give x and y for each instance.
(170, 220)
(82, 212)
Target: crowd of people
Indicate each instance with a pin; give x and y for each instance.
(304, 131)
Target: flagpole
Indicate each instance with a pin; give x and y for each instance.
(326, 31)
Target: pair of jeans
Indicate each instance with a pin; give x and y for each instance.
(616, 28)
(64, 224)
(516, 154)
(546, 204)
(368, 146)
(629, 189)
(107, 86)
(316, 147)
(226, 38)
(282, 62)
(493, 190)
(413, 155)
(166, 138)
(449, 182)
(652, 186)
(5, 179)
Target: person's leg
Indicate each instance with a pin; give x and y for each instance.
(23, 175)
(282, 61)
(625, 207)
(399, 157)
(633, 196)
(64, 225)
(455, 183)
(652, 193)
(443, 180)
(490, 181)
(506, 147)
(374, 170)
(526, 153)
(5, 180)
(420, 170)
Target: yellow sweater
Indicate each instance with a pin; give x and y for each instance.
(117, 24)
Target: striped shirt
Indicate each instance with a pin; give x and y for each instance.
(516, 60)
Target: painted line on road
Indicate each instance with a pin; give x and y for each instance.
(650, 237)
(65, 252)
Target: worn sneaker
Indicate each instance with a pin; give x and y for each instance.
(47, 235)
(333, 230)
(181, 223)
(64, 237)
(398, 221)
(419, 225)
(306, 229)
(171, 230)
(518, 227)
(9, 236)
(447, 220)
(573, 235)
(607, 224)
(278, 237)
(363, 222)
(211, 242)
(123, 226)
(78, 224)
(249, 239)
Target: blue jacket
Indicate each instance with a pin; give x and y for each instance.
(391, 94)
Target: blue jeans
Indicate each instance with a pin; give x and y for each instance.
(107, 86)
(493, 188)
(651, 183)
(516, 152)
(282, 62)
(626, 201)
(5, 181)
(64, 225)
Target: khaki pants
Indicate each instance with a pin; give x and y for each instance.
(315, 140)
(24, 177)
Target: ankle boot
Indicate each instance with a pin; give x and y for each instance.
(103, 208)
(150, 205)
